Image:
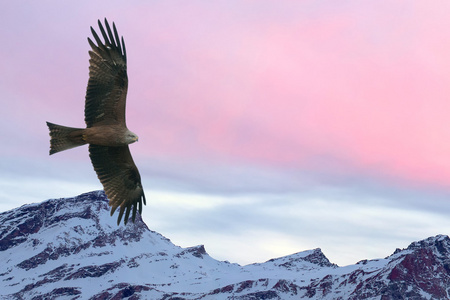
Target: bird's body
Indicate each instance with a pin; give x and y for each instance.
(112, 136)
(106, 131)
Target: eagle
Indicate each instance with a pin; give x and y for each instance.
(106, 131)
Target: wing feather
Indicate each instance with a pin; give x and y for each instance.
(110, 35)
(117, 39)
(108, 81)
(120, 179)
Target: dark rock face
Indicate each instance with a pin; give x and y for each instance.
(420, 268)
(72, 249)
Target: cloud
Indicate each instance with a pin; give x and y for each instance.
(347, 226)
(358, 87)
(273, 86)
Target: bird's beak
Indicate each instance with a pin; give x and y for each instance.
(136, 139)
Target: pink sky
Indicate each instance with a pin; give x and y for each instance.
(331, 91)
(369, 88)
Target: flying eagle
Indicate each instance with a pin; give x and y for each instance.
(106, 131)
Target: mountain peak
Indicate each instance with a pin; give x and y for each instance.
(440, 242)
(83, 216)
(308, 259)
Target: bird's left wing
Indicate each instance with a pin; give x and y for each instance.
(108, 82)
(120, 179)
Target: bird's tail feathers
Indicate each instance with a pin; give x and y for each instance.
(63, 138)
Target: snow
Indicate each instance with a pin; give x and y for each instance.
(78, 245)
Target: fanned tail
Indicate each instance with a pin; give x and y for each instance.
(63, 138)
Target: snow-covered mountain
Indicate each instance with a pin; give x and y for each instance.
(72, 249)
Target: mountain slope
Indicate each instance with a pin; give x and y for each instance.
(71, 248)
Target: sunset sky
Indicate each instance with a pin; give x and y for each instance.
(265, 127)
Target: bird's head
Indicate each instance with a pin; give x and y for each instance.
(131, 137)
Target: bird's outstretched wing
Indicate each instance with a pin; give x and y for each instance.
(120, 178)
(108, 82)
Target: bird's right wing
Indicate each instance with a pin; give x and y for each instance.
(108, 82)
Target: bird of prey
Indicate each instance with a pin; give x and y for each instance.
(106, 131)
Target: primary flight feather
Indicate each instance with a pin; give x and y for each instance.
(106, 131)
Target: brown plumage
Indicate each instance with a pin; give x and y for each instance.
(106, 131)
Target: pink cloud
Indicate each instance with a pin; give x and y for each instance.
(277, 85)
(371, 91)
